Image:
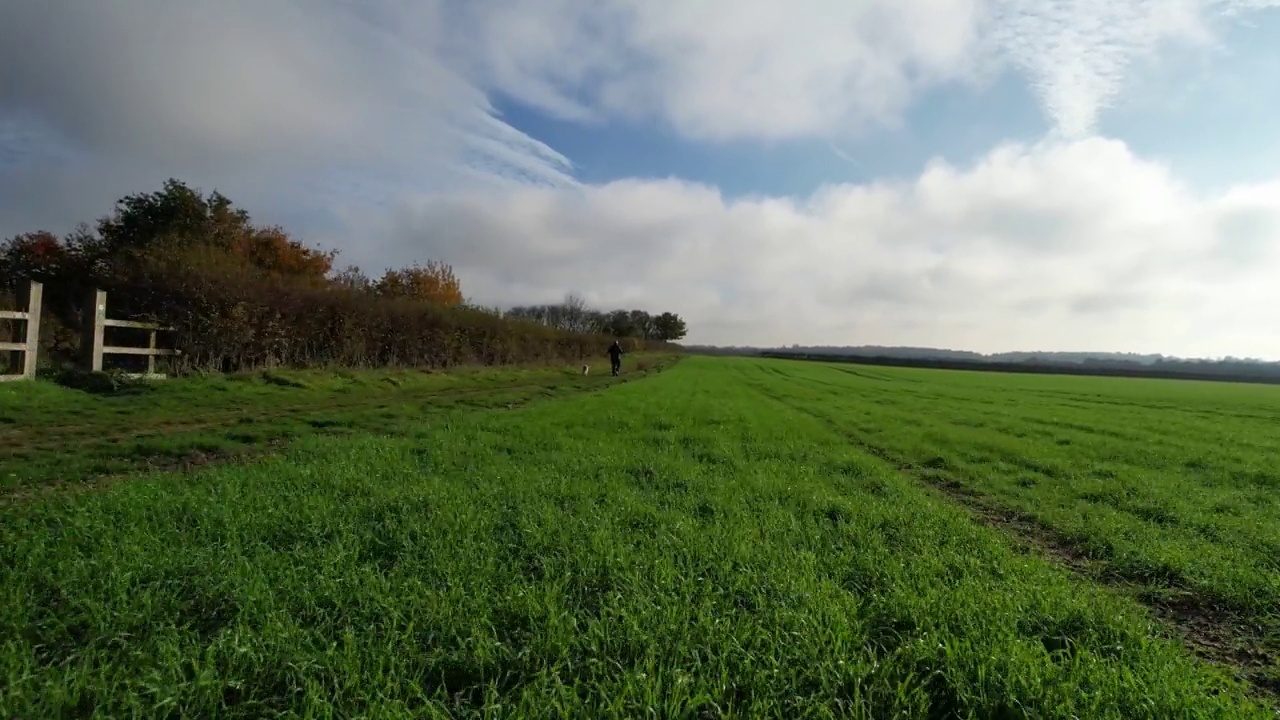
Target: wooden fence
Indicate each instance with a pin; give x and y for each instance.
(29, 347)
(93, 345)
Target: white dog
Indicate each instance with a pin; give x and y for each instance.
(585, 369)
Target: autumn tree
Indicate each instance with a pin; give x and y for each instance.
(272, 249)
(179, 217)
(36, 256)
(62, 266)
(433, 282)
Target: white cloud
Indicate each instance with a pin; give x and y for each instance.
(371, 126)
(1078, 54)
(734, 69)
(243, 88)
(1054, 246)
(721, 69)
(225, 83)
(241, 94)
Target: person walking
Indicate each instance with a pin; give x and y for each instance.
(615, 357)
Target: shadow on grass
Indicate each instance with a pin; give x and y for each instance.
(101, 383)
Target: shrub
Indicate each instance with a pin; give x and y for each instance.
(229, 317)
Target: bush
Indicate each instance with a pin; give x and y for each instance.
(229, 318)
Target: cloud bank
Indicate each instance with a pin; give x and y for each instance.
(274, 101)
(1059, 245)
(371, 127)
(750, 69)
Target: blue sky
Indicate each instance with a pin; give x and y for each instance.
(1207, 113)
(956, 123)
(976, 174)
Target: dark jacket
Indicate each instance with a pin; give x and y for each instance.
(615, 352)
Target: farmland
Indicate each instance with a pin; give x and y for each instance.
(725, 538)
(55, 436)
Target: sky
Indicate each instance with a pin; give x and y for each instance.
(985, 175)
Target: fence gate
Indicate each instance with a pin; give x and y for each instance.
(30, 346)
(93, 344)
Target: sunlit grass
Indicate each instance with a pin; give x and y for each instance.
(56, 435)
(707, 542)
(1170, 485)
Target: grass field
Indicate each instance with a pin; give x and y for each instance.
(51, 434)
(727, 538)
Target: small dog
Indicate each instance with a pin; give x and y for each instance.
(585, 369)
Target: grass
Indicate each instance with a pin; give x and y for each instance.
(1169, 488)
(705, 543)
(54, 434)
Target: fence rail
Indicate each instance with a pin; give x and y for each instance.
(28, 348)
(93, 345)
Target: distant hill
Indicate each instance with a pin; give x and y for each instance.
(925, 353)
(1082, 363)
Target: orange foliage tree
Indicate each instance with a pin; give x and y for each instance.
(37, 255)
(179, 217)
(272, 249)
(433, 282)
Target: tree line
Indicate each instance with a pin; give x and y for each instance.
(243, 295)
(573, 315)
(1226, 370)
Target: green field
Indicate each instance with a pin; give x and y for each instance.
(725, 538)
(51, 435)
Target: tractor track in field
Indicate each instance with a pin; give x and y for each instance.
(233, 417)
(223, 416)
(39, 439)
(1208, 628)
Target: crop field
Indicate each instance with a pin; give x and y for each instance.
(51, 435)
(723, 538)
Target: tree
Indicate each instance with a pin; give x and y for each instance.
(642, 324)
(619, 324)
(353, 278)
(433, 282)
(60, 265)
(669, 327)
(36, 256)
(272, 249)
(576, 317)
(179, 217)
(175, 216)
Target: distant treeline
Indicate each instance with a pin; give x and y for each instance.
(574, 316)
(1220, 370)
(927, 353)
(243, 296)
